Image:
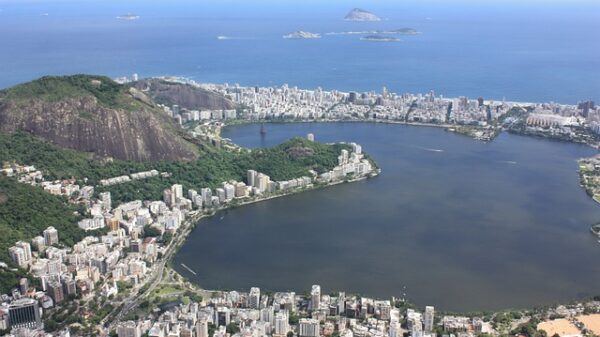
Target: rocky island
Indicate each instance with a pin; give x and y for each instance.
(302, 35)
(358, 14)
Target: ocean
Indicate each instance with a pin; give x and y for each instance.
(537, 51)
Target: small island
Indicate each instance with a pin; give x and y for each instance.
(379, 38)
(128, 17)
(302, 35)
(358, 14)
(401, 31)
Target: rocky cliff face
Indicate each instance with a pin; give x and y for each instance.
(106, 119)
(184, 95)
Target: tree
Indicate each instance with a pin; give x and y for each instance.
(294, 319)
(50, 325)
(232, 328)
(193, 296)
(211, 329)
(150, 231)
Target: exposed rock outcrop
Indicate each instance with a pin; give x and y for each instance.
(93, 114)
(184, 95)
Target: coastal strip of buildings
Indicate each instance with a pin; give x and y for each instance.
(483, 117)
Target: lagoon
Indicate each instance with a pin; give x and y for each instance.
(452, 222)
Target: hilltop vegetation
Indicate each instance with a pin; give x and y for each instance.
(56, 88)
(94, 114)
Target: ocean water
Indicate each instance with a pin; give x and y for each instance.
(451, 222)
(531, 51)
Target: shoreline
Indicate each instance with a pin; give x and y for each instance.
(197, 217)
(448, 127)
(239, 122)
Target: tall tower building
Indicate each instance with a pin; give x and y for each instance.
(24, 313)
(308, 327)
(26, 249)
(202, 327)
(254, 298)
(252, 178)
(315, 297)
(282, 325)
(18, 256)
(222, 316)
(206, 196)
(177, 192)
(106, 200)
(341, 302)
(262, 182)
(55, 291)
(23, 285)
(50, 236)
(395, 329)
(21, 253)
(428, 319)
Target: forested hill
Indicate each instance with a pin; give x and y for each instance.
(25, 211)
(93, 114)
(288, 160)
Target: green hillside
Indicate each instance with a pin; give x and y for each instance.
(56, 88)
(288, 160)
(25, 211)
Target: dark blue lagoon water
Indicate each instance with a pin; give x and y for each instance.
(473, 226)
(522, 50)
